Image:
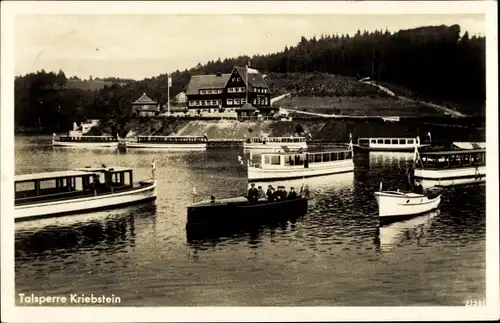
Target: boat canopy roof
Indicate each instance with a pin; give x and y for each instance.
(49, 175)
(149, 136)
(367, 138)
(452, 152)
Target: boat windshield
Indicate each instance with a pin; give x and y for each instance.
(387, 141)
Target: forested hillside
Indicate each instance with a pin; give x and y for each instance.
(433, 63)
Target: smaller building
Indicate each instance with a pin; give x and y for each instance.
(145, 107)
(246, 110)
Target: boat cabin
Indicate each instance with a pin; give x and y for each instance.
(284, 140)
(452, 159)
(366, 142)
(172, 139)
(87, 138)
(60, 185)
(288, 159)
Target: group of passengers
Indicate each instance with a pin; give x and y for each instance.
(278, 194)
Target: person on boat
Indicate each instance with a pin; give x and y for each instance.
(253, 194)
(418, 188)
(270, 193)
(292, 194)
(262, 194)
(277, 194)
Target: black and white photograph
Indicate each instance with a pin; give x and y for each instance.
(249, 161)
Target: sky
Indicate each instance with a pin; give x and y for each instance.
(145, 45)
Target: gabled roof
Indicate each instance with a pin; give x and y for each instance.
(255, 79)
(144, 99)
(246, 107)
(212, 81)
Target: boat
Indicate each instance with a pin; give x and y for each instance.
(238, 211)
(84, 141)
(275, 143)
(289, 165)
(451, 167)
(78, 191)
(469, 145)
(169, 142)
(389, 144)
(398, 205)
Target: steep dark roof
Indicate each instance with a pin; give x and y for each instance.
(246, 107)
(144, 99)
(213, 81)
(254, 79)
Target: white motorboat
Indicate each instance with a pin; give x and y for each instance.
(453, 167)
(389, 144)
(395, 205)
(77, 191)
(168, 142)
(84, 141)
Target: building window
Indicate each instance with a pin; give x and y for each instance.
(236, 101)
(243, 101)
(219, 91)
(265, 101)
(238, 79)
(202, 91)
(214, 102)
(234, 79)
(191, 103)
(254, 101)
(229, 101)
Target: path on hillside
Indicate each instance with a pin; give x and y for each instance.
(432, 105)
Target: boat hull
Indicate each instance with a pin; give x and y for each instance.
(291, 172)
(237, 212)
(85, 204)
(450, 174)
(179, 146)
(393, 207)
(88, 144)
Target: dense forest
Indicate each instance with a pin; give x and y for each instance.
(436, 62)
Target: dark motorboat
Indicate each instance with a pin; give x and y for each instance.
(238, 211)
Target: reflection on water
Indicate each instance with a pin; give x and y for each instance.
(408, 231)
(334, 255)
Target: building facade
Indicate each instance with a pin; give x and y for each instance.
(144, 106)
(230, 91)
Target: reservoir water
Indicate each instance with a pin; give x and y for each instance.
(336, 255)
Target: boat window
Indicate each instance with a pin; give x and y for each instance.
(317, 158)
(326, 157)
(410, 141)
(372, 141)
(394, 141)
(454, 161)
(25, 186)
(466, 160)
(267, 159)
(341, 156)
(380, 141)
(333, 156)
(288, 161)
(402, 141)
(387, 141)
(479, 159)
(48, 183)
(311, 158)
(364, 142)
(275, 160)
(299, 160)
(348, 155)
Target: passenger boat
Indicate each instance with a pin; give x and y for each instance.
(275, 143)
(389, 144)
(397, 205)
(288, 165)
(238, 211)
(169, 142)
(469, 145)
(84, 141)
(78, 191)
(453, 167)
